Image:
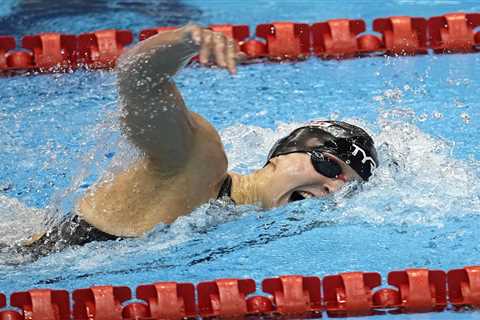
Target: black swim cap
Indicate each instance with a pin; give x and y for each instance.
(345, 141)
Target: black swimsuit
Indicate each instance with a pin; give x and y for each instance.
(71, 231)
(226, 188)
(76, 231)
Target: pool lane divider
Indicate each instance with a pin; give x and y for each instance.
(288, 296)
(277, 41)
(345, 294)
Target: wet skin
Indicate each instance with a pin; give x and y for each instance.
(184, 162)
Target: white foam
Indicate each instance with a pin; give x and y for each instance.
(19, 222)
(418, 181)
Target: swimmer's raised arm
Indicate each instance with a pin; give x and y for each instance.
(155, 116)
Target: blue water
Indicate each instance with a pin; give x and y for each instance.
(59, 133)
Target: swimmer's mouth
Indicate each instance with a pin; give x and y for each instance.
(300, 195)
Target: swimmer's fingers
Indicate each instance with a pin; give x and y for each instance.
(219, 45)
(206, 46)
(212, 48)
(231, 53)
(215, 47)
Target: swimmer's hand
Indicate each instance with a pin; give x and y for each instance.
(215, 48)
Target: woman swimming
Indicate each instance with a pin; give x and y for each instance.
(184, 163)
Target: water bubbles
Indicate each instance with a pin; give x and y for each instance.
(397, 114)
(458, 103)
(393, 94)
(422, 117)
(429, 184)
(246, 146)
(437, 115)
(390, 95)
(465, 117)
(458, 82)
(19, 222)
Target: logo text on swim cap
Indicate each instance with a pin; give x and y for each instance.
(366, 158)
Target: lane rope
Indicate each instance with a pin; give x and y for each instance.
(277, 41)
(345, 294)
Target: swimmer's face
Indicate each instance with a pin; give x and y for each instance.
(294, 178)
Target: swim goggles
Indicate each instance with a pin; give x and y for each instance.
(324, 165)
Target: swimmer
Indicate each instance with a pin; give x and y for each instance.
(184, 163)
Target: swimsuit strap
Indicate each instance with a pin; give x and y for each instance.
(226, 188)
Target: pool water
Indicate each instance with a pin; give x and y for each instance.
(60, 133)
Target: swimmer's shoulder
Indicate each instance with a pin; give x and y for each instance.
(115, 204)
(135, 201)
(144, 195)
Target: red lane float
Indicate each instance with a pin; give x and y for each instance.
(6, 43)
(337, 38)
(285, 40)
(350, 293)
(403, 35)
(52, 51)
(13, 61)
(420, 290)
(346, 294)
(293, 294)
(168, 300)
(100, 302)
(454, 32)
(332, 39)
(254, 49)
(101, 49)
(42, 304)
(224, 297)
(18, 61)
(464, 287)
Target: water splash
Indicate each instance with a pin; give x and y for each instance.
(18, 221)
(418, 181)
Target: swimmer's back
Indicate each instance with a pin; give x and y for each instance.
(136, 200)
